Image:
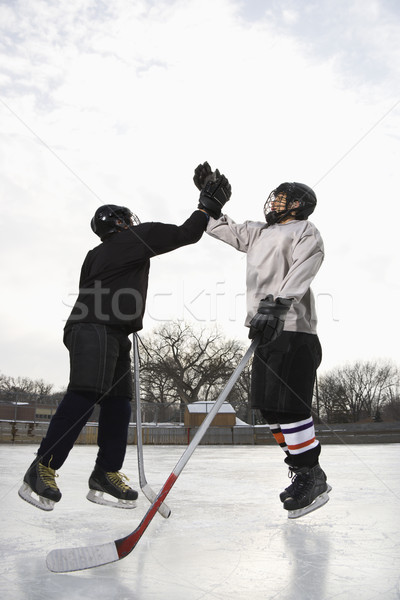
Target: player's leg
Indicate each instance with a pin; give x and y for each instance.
(271, 419)
(115, 412)
(88, 368)
(309, 486)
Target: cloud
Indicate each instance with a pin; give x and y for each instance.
(358, 36)
(119, 102)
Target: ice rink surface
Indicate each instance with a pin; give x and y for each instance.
(228, 537)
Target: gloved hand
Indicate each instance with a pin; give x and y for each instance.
(203, 174)
(214, 196)
(269, 318)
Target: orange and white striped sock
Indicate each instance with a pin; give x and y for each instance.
(278, 435)
(300, 436)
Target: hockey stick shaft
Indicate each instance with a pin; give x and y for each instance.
(150, 494)
(127, 544)
(215, 409)
(76, 559)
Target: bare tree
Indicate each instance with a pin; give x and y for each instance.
(356, 390)
(182, 364)
(391, 411)
(13, 387)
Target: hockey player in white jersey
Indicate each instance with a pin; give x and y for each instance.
(284, 254)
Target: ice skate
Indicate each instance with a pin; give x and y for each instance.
(112, 484)
(308, 491)
(39, 487)
(287, 492)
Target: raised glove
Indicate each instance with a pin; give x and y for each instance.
(203, 174)
(270, 318)
(214, 196)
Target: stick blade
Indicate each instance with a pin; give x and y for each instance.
(64, 560)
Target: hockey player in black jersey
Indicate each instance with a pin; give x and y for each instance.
(109, 307)
(284, 253)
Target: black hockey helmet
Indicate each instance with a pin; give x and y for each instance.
(294, 192)
(110, 218)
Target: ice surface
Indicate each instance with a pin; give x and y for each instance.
(228, 537)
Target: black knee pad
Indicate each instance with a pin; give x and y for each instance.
(269, 416)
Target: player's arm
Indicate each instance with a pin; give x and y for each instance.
(307, 257)
(159, 238)
(213, 196)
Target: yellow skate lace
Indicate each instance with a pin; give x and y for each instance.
(48, 475)
(118, 479)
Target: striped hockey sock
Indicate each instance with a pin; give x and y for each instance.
(278, 435)
(300, 436)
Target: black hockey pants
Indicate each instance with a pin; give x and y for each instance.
(99, 373)
(69, 420)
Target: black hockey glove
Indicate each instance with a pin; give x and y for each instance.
(214, 196)
(203, 174)
(270, 318)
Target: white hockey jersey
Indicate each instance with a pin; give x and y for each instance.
(282, 260)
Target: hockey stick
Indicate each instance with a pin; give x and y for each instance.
(150, 494)
(86, 557)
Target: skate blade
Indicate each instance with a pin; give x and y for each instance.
(315, 504)
(27, 494)
(98, 498)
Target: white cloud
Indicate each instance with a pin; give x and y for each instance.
(120, 102)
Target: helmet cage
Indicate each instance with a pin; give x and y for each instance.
(300, 202)
(110, 219)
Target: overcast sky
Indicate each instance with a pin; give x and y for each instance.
(117, 102)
